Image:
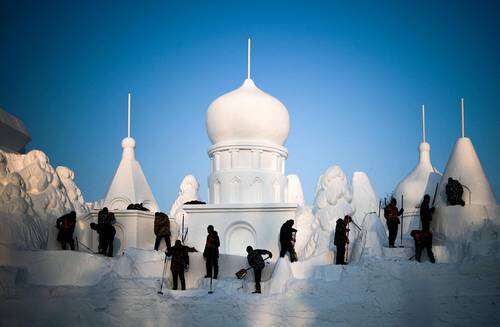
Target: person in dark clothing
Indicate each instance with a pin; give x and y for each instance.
(341, 239)
(66, 226)
(256, 261)
(423, 240)
(107, 234)
(454, 192)
(426, 213)
(287, 240)
(102, 217)
(211, 253)
(162, 229)
(391, 214)
(179, 263)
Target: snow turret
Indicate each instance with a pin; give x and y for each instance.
(465, 166)
(422, 180)
(129, 184)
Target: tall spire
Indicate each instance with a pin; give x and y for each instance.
(423, 124)
(463, 118)
(249, 57)
(129, 99)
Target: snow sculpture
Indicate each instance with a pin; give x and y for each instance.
(74, 194)
(364, 198)
(31, 198)
(43, 185)
(464, 165)
(188, 191)
(129, 185)
(305, 223)
(333, 198)
(295, 194)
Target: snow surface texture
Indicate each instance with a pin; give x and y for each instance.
(32, 197)
(295, 194)
(378, 291)
(188, 191)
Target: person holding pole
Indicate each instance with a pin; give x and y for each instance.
(426, 213)
(391, 214)
(211, 253)
(256, 261)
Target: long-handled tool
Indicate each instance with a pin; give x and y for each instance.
(88, 249)
(211, 290)
(163, 275)
(402, 221)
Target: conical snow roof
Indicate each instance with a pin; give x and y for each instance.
(420, 181)
(465, 166)
(129, 184)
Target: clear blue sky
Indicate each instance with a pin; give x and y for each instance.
(352, 75)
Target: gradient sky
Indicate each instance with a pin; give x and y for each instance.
(353, 76)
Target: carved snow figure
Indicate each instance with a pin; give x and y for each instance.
(294, 188)
(364, 199)
(188, 191)
(74, 194)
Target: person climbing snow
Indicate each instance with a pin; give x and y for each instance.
(179, 263)
(391, 214)
(211, 253)
(341, 239)
(287, 240)
(162, 230)
(426, 213)
(423, 240)
(454, 192)
(257, 263)
(66, 226)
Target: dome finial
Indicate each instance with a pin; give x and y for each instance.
(249, 52)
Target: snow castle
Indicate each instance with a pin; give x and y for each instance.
(248, 189)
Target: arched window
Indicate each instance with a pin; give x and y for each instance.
(256, 189)
(276, 190)
(216, 192)
(235, 189)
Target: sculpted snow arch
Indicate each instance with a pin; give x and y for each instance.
(238, 236)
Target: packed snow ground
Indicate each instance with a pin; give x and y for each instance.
(375, 292)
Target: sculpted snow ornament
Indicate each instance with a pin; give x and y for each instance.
(188, 191)
(74, 194)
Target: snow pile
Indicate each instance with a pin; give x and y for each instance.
(57, 267)
(281, 275)
(188, 191)
(305, 223)
(140, 263)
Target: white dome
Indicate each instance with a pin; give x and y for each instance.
(247, 114)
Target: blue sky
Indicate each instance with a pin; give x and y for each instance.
(353, 76)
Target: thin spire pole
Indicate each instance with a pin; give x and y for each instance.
(423, 123)
(129, 100)
(249, 57)
(463, 118)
